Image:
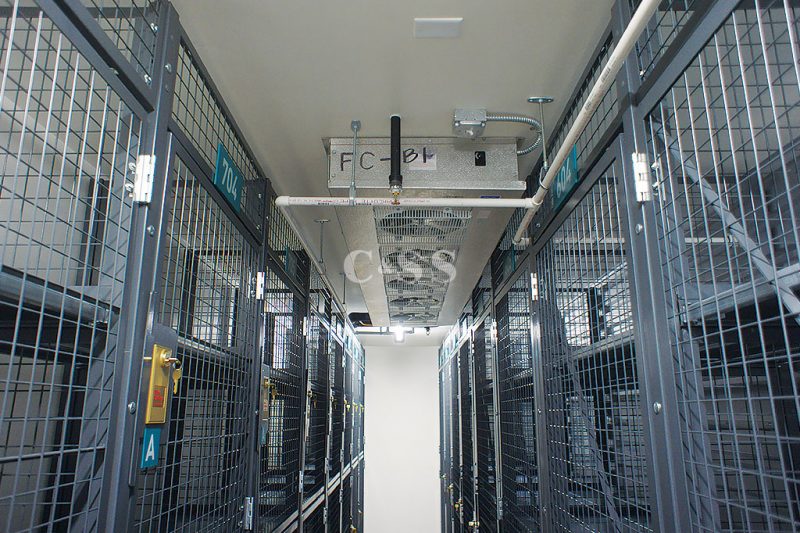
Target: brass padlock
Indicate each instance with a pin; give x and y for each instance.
(161, 361)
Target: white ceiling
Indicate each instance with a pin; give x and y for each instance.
(293, 73)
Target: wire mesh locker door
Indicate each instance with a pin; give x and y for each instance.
(317, 406)
(485, 409)
(520, 492)
(348, 407)
(444, 446)
(279, 480)
(455, 442)
(598, 461)
(207, 296)
(725, 143)
(468, 470)
(66, 140)
(347, 492)
(447, 457)
(337, 406)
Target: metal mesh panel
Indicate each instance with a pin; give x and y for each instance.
(334, 511)
(482, 292)
(208, 277)
(132, 26)
(66, 140)
(347, 511)
(315, 523)
(506, 256)
(348, 407)
(455, 436)
(485, 427)
(337, 405)
(597, 462)
(661, 31)
(280, 447)
(197, 109)
(358, 414)
(358, 498)
(599, 122)
(517, 422)
(319, 298)
(725, 142)
(468, 472)
(589, 140)
(317, 406)
(444, 439)
(286, 245)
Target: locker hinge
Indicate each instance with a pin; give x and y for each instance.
(261, 281)
(247, 522)
(641, 174)
(144, 171)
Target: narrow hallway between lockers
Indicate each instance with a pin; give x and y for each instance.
(439, 266)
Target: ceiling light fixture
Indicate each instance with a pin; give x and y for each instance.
(399, 333)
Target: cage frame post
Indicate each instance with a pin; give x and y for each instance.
(141, 274)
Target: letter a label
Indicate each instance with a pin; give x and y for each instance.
(150, 446)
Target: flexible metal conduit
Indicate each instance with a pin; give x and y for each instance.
(520, 119)
(621, 50)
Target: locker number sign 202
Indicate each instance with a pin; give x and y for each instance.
(228, 179)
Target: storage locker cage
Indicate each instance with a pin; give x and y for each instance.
(98, 264)
(636, 368)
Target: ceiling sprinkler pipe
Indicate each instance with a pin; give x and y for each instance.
(326, 201)
(607, 76)
(395, 177)
(520, 119)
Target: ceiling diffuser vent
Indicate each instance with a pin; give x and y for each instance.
(410, 225)
(418, 247)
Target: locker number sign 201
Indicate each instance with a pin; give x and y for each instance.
(228, 179)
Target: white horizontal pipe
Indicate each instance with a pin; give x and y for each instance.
(326, 201)
(621, 50)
